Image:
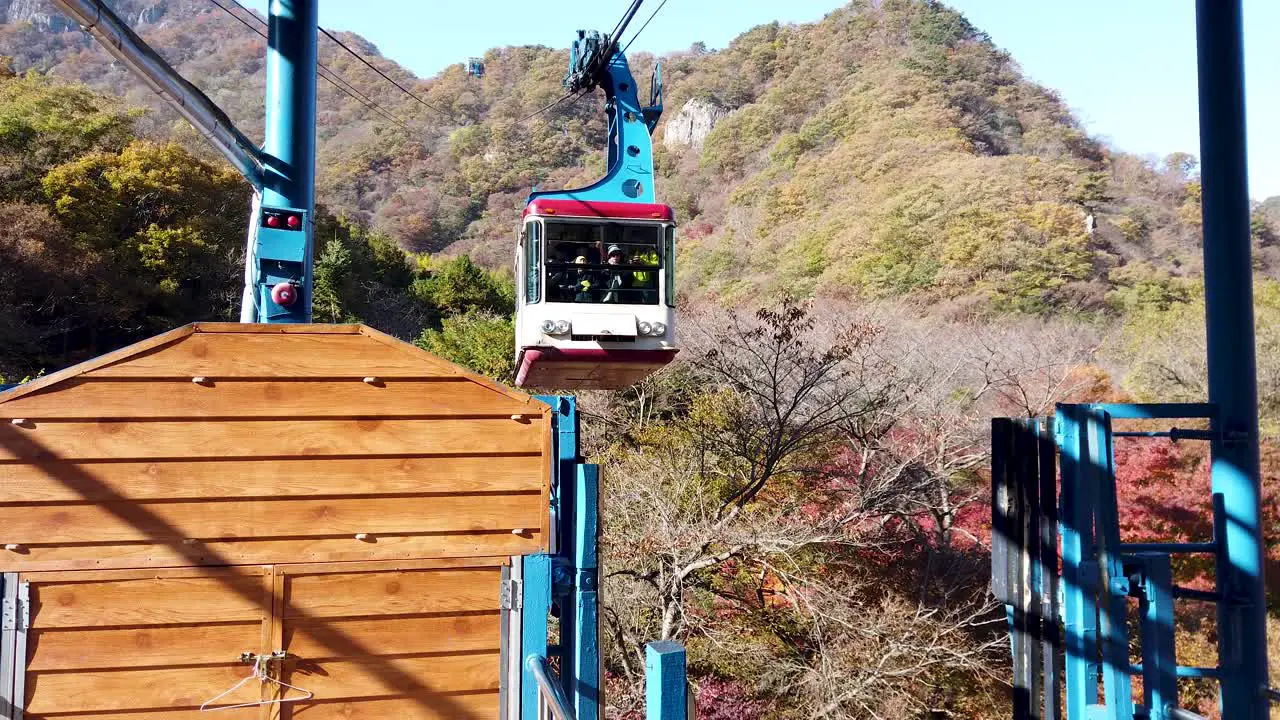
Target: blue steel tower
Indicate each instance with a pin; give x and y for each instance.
(278, 269)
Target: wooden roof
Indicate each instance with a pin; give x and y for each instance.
(230, 444)
(181, 351)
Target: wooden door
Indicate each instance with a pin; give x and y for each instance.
(404, 640)
(400, 641)
(151, 644)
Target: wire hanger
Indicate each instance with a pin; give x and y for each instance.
(262, 673)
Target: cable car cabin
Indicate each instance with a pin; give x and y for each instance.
(596, 307)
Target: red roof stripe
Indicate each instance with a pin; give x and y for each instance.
(599, 209)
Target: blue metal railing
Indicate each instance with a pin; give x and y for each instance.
(1087, 627)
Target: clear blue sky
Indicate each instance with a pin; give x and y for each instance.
(1126, 67)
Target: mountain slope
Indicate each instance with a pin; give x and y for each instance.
(889, 149)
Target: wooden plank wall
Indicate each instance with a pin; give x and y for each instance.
(405, 644)
(153, 644)
(329, 445)
(415, 640)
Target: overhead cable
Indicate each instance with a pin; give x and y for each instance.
(621, 27)
(385, 76)
(332, 77)
(550, 106)
(325, 71)
(642, 27)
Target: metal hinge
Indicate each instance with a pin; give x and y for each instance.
(15, 613)
(511, 598)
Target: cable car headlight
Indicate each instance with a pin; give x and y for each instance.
(555, 327)
(651, 329)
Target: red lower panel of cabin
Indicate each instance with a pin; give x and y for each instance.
(587, 368)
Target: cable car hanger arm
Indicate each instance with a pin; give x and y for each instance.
(595, 62)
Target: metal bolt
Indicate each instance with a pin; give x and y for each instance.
(371, 380)
(13, 547)
(199, 380)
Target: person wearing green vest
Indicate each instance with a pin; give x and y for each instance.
(646, 280)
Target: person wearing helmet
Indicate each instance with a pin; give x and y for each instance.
(583, 284)
(614, 277)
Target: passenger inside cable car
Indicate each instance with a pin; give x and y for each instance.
(596, 306)
(628, 273)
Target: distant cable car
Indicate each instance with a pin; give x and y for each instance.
(597, 293)
(475, 67)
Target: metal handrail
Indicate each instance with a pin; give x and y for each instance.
(553, 700)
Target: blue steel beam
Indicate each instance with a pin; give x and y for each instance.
(575, 567)
(1079, 583)
(291, 105)
(666, 687)
(1159, 663)
(1228, 289)
(535, 589)
(1099, 474)
(585, 659)
(282, 256)
(1153, 411)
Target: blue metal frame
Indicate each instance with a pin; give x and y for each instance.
(280, 255)
(569, 576)
(629, 177)
(1228, 291)
(1097, 568)
(1100, 572)
(1078, 579)
(1155, 608)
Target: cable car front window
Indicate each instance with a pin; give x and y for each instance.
(603, 262)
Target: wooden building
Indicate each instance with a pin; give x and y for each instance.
(325, 492)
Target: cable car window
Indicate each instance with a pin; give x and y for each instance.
(533, 265)
(603, 262)
(669, 263)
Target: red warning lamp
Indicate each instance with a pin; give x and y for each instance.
(284, 294)
(277, 219)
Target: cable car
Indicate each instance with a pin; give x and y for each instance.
(475, 67)
(595, 266)
(597, 293)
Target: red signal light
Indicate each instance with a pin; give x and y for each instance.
(273, 221)
(293, 222)
(284, 294)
